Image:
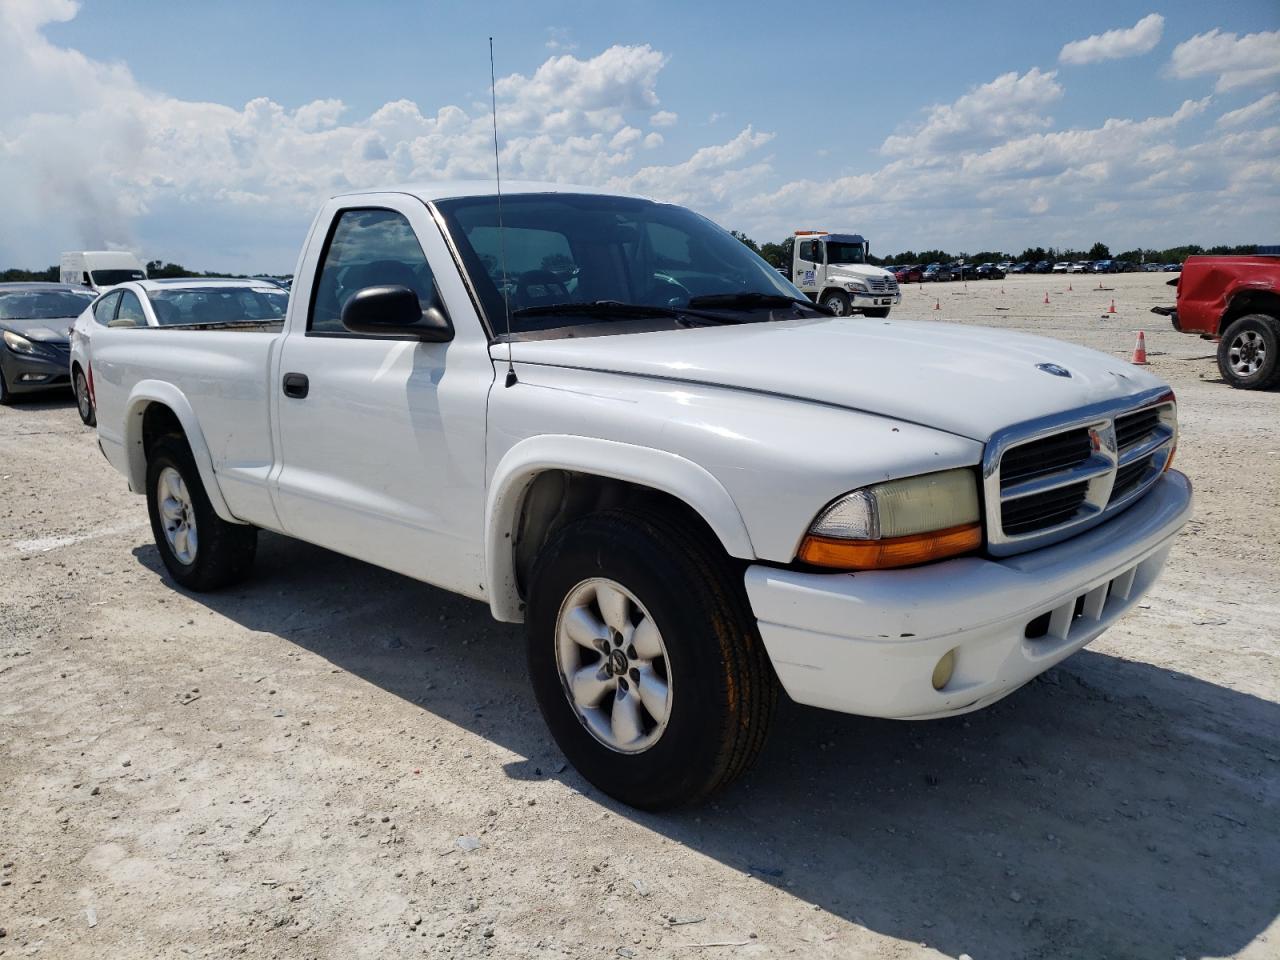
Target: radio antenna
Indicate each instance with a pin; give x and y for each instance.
(502, 239)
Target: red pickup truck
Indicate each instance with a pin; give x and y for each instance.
(1236, 301)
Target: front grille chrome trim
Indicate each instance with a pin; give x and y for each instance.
(1098, 471)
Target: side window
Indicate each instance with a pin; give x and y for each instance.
(104, 310)
(368, 248)
(131, 309)
(808, 250)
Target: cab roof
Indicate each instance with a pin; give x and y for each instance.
(453, 189)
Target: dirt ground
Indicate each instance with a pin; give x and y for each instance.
(332, 761)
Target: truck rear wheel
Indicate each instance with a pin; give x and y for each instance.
(200, 550)
(645, 659)
(1249, 352)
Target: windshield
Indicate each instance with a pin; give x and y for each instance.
(838, 252)
(109, 278)
(566, 248)
(217, 305)
(42, 305)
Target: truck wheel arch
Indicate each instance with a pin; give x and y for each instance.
(148, 394)
(1246, 301)
(612, 469)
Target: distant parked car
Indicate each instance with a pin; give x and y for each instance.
(1152, 267)
(1081, 266)
(962, 271)
(937, 271)
(909, 274)
(989, 271)
(1005, 265)
(1042, 266)
(35, 320)
(1020, 268)
(167, 303)
(1173, 268)
(1062, 266)
(1105, 266)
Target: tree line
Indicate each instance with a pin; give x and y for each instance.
(156, 270)
(775, 254)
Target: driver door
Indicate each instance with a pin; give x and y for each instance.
(809, 266)
(381, 439)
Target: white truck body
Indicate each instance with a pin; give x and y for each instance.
(100, 270)
(832, 269)
(420, 457)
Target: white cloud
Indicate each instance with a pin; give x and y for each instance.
(1115, 44)
(569, 95)
(663, 118)
(1237, 61)
(1008, 105)
(560, 38)
(653, 140)
(1254, 111)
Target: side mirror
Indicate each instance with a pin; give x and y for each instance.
(394, 311)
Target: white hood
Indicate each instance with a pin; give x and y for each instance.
(856, 271)
(970, 381)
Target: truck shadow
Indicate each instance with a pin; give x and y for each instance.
(1112, 808)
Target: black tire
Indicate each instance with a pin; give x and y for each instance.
(84, 402)
(878, 312)
(1251, 341)
(224, 551)
(837, 301)
(723, 689)
(6, 397)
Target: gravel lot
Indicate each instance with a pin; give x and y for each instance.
(334, 761)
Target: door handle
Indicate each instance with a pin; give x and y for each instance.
(296, 385)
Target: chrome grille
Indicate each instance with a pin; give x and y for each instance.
(1048, 480)
(882, 285)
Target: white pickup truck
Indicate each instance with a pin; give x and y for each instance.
(688, 481)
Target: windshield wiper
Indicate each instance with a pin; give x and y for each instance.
(730, 301)
(617, 310)
(597, 308)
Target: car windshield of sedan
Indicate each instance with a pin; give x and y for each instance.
(564, 260)
(188, 305)
(42, 305)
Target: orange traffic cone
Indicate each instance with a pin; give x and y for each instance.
(1068, 288)
(1099, 284)
(1140, 350)
(1112, 308)
(1046, 296)
(937, 304)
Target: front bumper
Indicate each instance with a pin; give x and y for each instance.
(26, 373)
(868, 643)
(874, 300)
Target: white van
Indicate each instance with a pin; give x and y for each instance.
(99, 269)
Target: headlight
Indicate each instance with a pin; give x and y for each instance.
(857, 286)
(19, 344)
(897, 524)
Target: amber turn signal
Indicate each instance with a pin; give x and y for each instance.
(892, 551)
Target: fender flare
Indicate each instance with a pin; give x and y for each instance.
(145, 393)
(644, 466)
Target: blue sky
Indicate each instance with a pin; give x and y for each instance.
(193, 133)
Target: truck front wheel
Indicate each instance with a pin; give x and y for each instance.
(200, 550)
(645, 659)
(1249, 352)
(837, 301)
